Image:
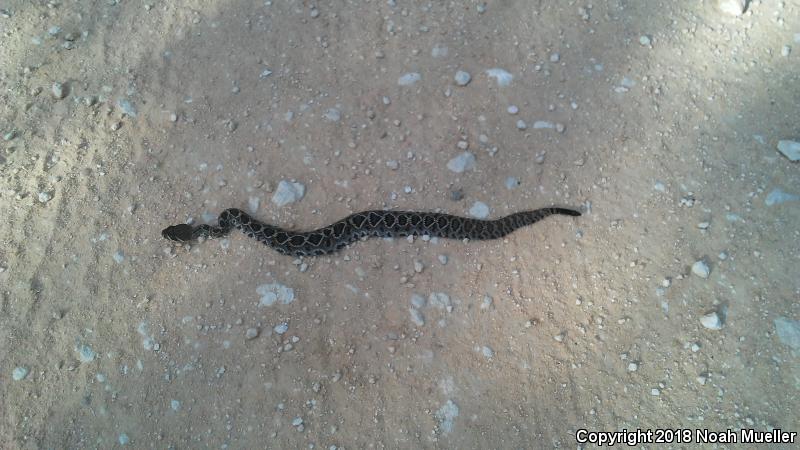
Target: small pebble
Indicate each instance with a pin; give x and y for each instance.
(392, 164)
(58, 90)
(442, 259)
(644, 40)
(521, 125)
(711, 321)
(251, 333)
(417, 317)
(456, 195)
(314, 13)
(512, 182)
(732, 7)
(462, 78)
(10, 135)
(479, 210)
(700, 268)
(487, 352)
(332, 115)
(633, 367)
(418, 266)
(19, 373)
(695, 348)
(281, 328)
(790, 149)
(655, 392)
(409, 79)
(44, 197)
(119, 256)
(513, 110)
(461, 163)
(123, 439)
(175, 405)
(502, 77)
(288, 192)
(487, 302)
(786, 51)
(418, 301)
(555, 57)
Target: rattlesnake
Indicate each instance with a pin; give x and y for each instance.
(338, 235)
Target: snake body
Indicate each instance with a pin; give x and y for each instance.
(339, 234)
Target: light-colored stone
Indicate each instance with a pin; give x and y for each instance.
(732, 7)
(790, 149)
(711, 321)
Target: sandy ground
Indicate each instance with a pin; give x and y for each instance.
(671, 111)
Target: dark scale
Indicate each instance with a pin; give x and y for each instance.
(340, 234)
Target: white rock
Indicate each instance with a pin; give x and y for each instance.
(462, 78)
(85, 353)
(512, 109)
(502, 77)
(555, 57)
(788, 332)
(711, 321)
(418, 301)
(479, 210)
(777, 196)
(439, 51)
(58, 90)
(409, 79)
(543, 124)
(487, 302)
(445, 415)
(281, 328)
(790, 149)
(19, 373)
(288, 192)
(512, 182)
(416, 317)
(440, 300)
(700, 268)
(633, 367)
(332, 115)
(45, 197)
(274, 292)
(487, 352)
(461, 163)
(732, 7)
(175, 405)
(251, 333)
(442, 259)
(644, 40)
(253, 203)
(521, 125)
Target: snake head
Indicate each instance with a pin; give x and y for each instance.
(180, 233)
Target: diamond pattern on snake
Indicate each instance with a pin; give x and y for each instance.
(338, 235)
